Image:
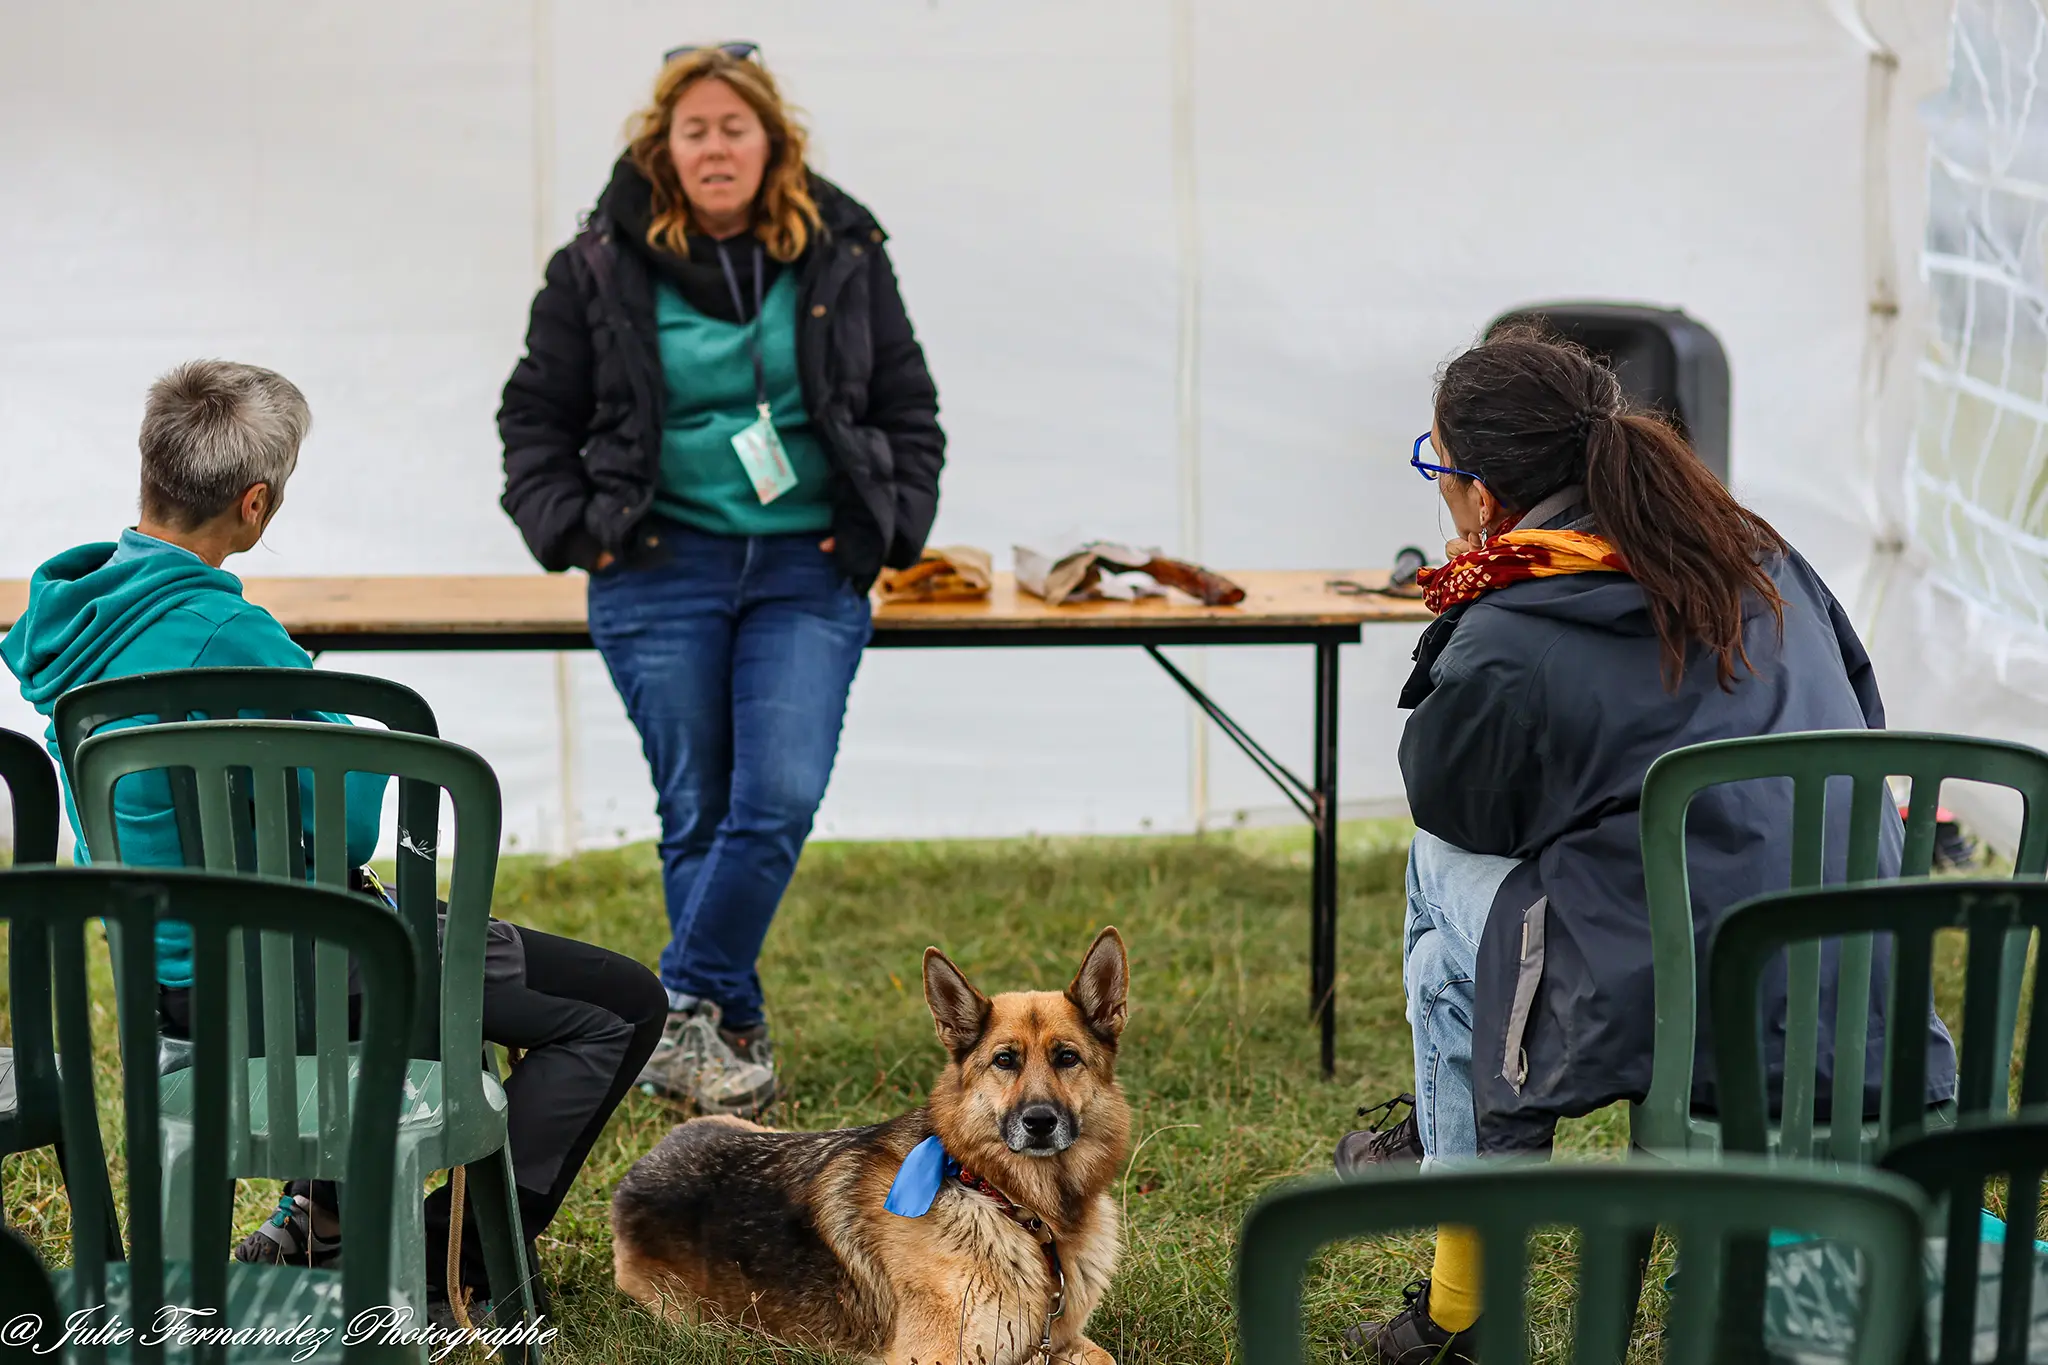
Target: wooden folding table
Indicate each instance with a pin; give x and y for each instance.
(546, 612)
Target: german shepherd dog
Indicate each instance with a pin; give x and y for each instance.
(787, 1231)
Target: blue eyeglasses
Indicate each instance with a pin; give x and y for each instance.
(739, 52)
(1430, 471)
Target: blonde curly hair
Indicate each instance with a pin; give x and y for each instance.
(784, 213)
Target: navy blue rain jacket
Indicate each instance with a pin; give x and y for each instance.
(1536, 712)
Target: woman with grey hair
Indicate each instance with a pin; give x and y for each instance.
(219, 441)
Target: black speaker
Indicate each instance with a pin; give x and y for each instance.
(1665, 360)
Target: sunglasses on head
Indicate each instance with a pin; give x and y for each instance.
(739, 52)
(1430, 471)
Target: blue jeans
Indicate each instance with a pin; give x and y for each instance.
(733, 656)
(1450, 894)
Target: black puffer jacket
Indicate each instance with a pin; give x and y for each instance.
(582, 414)
(1537, 711)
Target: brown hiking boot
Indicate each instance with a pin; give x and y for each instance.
(1381, 1145)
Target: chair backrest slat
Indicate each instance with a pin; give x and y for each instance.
(1606, 1301)
(1504, 1331)
(1870, 799)
(1802, 1016)
(220, 1104)
(1923, 823)
(330, 825)
(89, 1249)
(217, 802)
(221, 912)
(135, 968)
(31, 784)
(1694, 1316)
(1980, 1086)
(1809, 830)
(32, 792)
(2016, 1273)
(1711, 1205)
(1905, 1050)
(1852, 1037)
(1850, 767)
(272, 832)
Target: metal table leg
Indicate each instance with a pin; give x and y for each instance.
(1318, 805)
(1323, 896)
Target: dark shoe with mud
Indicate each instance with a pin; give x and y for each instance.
(698, 1062)
(1411, 1338)
(1385, 1143)
(287, 1238)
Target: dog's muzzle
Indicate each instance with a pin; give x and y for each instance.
(1040, 1129)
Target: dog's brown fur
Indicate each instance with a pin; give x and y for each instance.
(786, 1231)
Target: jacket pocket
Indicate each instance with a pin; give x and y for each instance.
(1514, 1067)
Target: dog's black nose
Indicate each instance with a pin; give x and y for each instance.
(1041, 1120)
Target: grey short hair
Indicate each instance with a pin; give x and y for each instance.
(211, 430)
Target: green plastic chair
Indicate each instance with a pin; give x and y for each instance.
(454, 1114)
(1664, 1121)
(276, 694)
(1953, 1167)
(25, 1290)
(31, 1112)
(351, 1111)
(1991, 912)
(1614, 1205)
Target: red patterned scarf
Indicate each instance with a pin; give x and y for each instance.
(1512, 556)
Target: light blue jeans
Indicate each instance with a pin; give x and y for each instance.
(1450, 893)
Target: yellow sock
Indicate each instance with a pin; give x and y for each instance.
(1454, 1279)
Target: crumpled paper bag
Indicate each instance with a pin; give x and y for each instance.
(1104, 569)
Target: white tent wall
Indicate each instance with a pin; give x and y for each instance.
(360, 195)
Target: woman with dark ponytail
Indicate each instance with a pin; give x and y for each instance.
(1605, 601)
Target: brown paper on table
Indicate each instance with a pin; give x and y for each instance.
(946, 573)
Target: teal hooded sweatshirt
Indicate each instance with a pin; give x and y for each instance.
(106, 611)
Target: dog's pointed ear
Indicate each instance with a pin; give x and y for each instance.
(1101, 989)
(960, 1011)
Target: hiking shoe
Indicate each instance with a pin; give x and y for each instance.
(287, 1238)
(1381, 1145)
(1410, 1337)
(696, 1062)
(751, 1044)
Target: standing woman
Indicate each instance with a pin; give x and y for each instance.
(724, 417)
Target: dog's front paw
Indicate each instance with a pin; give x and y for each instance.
(1086, 1352)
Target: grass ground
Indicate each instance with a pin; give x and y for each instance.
(1218, 1059)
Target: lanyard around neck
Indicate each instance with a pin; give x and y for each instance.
(739, 308)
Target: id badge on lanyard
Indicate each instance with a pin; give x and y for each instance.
(758, 445)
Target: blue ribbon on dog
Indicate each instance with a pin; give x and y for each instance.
(919, 1178)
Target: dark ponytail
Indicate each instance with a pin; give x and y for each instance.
(1529, 415)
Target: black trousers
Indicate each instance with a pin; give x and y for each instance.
(587, 1019)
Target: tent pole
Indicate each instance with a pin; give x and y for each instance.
(1188, 368)
(567, 832)
(1882, 306)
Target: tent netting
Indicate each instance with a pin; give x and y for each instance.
(1977, 467)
